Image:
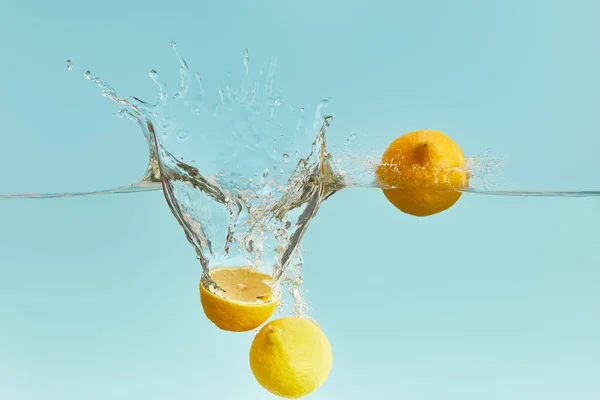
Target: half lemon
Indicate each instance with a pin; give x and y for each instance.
(243, 301)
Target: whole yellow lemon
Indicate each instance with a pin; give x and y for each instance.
(422, 172)
(291, 357)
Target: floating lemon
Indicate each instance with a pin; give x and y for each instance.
(291, 357)
(423, 168)
(245, 302)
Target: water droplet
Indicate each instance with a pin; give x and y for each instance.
(70, 65)
(193, 162)
(281, 171)
(351, 137)
(88, 75)
(286, 157)
(173, 45)
(301, 109)
(183, 134)
(266, 172)
(297, 153)
(277, 102)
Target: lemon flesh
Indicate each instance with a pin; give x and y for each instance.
(422, 171)
(291, 357)
(245, 302)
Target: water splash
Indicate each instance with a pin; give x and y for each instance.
(232, 209)
(250, 193)
(355, 168)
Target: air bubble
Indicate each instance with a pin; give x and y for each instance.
(246, 60)
(266, 172)
(166, 123)
(70, 65)
(286, 157)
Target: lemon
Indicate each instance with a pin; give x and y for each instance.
(420, 170)
(291, 357)
(245, 302)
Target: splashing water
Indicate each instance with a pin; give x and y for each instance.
(258, 170)
(353, 168)
(259, 174)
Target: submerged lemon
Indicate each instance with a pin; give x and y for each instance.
(291, 357)
(245, 302)
(423, 168)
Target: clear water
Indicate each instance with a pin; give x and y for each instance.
(251, 199)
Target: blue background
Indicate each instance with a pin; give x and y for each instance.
(496, 298)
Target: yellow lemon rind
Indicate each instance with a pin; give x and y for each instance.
(428, 168)
(291, 357)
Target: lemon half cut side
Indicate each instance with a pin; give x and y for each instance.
(243, 300)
